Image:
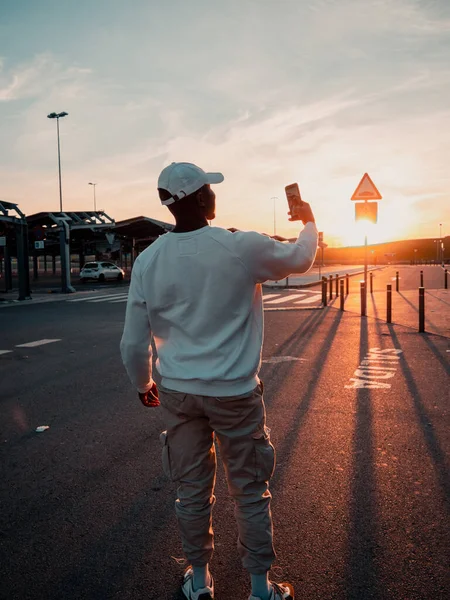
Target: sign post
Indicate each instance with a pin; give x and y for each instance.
(365, 210)
(320, 246)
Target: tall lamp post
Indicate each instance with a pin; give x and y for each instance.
(274, 198)
(95, 203)
(57, 116)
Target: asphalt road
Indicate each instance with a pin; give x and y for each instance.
(409, 278)
(361, 494)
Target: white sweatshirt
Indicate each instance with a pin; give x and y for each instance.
(199, 295)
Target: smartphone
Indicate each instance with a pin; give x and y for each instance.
(294, 198)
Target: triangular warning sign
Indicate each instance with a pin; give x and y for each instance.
(366, 190)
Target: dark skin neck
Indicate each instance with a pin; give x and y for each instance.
(189, 223)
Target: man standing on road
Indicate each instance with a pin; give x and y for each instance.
(197, 292)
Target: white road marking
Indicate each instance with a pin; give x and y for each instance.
(110, 298)
(35, 344)
(269, 296)
(370, 372)
(280, 359)
(5, 351)
(292, 308)
(117, 301)
(283, 299)
(92, 298)
(307, 300)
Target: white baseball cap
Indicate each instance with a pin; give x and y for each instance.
(181, 179)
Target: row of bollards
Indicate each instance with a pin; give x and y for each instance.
(329, 281)
(389, 304)
(339, 287)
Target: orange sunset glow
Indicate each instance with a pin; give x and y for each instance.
(296, 92)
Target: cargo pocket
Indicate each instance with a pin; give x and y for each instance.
(264, 455)
(166, 454)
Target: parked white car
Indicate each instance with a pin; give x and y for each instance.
(101, 271)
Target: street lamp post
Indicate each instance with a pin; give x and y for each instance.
(274, 198)
(57, 116)
(95, 203)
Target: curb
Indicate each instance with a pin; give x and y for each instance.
(297, 286)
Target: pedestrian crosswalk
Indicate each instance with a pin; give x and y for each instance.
(110, 298)
(302, 297)
(291, 297)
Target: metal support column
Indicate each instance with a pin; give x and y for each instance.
(23, 261)
(8, 269)
(64, 243)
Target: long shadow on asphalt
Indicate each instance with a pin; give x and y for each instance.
(129, 541)
(438, 354)
(428, 322)
(434, 448)
(296, 342)
(362, 576)
(437, 297)
(288, 446)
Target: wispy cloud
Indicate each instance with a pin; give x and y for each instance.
(316, 93)
(37, 77)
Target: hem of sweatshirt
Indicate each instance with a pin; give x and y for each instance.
(211, 388)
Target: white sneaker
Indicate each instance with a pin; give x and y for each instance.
(280, 591)
(206, 593)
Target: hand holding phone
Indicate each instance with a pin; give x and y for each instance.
(294, 199)
(298, 210)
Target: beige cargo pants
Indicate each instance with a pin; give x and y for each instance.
(189, 458)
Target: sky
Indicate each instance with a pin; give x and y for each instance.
(267, 92)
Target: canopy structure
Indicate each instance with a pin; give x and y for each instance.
(142, 230)
(74, 228)
(14, 239)
(86, 220)
(6, 208)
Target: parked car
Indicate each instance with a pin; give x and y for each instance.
(101, 271)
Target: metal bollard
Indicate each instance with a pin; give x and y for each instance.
(421, 278)
(389, 304)
(396, 282)
(445, 279)
(363, 298)
(341, 286)
(421, 310)
(331, 286)
(324, 291)
(347, 283)
(371, 282)
(337, 286)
